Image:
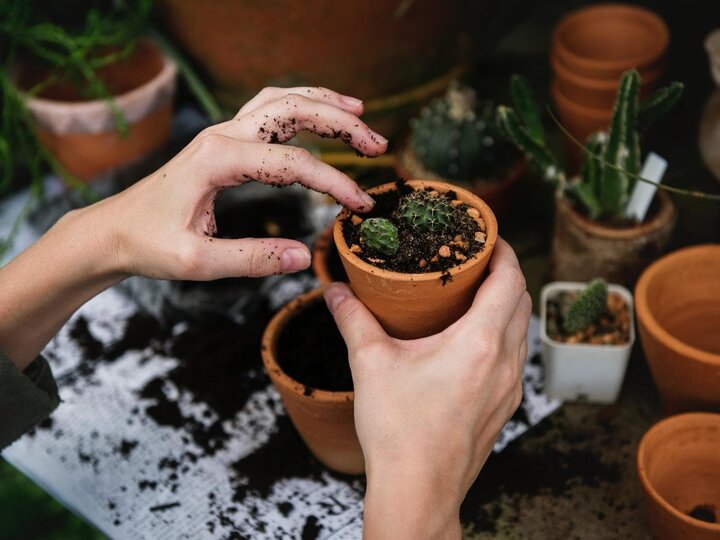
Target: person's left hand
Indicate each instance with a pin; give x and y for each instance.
(163, 226)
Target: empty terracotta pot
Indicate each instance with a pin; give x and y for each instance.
(678, 313)
(324, 419)
(604, 40)
(411, 306)
(82, 134)
(583, 249)
(678, 463)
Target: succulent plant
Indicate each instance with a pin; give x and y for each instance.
(457, 137)
(587, 307)
(613, 158)
(426, 211)
(380, 235)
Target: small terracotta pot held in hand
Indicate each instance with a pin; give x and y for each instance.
(325, 420)
(411, 306)
(678, 463)
(583, 249)
(678, 313)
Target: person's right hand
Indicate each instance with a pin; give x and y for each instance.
(428, 411)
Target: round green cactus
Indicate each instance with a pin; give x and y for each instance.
(380, 235)
(458, 138)
(588, 306)
(426, 211)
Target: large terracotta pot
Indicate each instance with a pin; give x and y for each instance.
(498, 195)
(325, 420)
(604, 40)
(411, 306)
(583, 249)
(82, 135)
(678, 312)
(678, 463)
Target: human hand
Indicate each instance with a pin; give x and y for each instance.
(164, 224)
(428, 411)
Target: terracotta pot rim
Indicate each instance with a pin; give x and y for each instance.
(268, 346)
(578, 109)
(705, 418)
(475, 202)
(88, 107)
(645, 315)
(664, 213)
(598, 13)
(600, 85)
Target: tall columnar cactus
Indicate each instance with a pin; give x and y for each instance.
(612, 158)
(587, 307)
(380, 235)
(457, 137)
(426, 211)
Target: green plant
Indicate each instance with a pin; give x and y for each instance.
(426, 211)
(457, 137)
(380, 235)
(587, 307)
(612, 159)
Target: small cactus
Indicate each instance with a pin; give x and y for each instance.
(588, 306)
(426, 211)
(457, 137)
(380, 235)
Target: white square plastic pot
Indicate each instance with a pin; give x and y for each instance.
(586, 372)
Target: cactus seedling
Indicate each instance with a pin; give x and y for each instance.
(426, 211)
(612, 159)
(587, 307)
(380, 235)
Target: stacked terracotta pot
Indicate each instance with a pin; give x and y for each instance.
(591, 48)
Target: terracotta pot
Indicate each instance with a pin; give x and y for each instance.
(678, 463)
(604, 40)
(325, 420)
(410, 306)
(497, 195)
(583, 249)
(82, 135)
(596, 93)
(326, 263)
(678, 313)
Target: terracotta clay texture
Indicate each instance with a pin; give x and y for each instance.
(82, 134)
(497, 195)
(324, 419)
(410, 306)
(678, 313)
(583, 249)
(679, 467)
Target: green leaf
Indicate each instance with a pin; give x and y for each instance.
(527, 108)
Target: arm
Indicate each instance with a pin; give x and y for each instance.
(162, 226)
(425, 440)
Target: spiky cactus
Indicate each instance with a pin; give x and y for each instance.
(426, 211)
(380, 235)
(457, 137)
(587, 307)
(612, 158)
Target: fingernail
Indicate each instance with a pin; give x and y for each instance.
(351, 101)
(294, 259)
(367, 199)
(334, 295)
(376, 137)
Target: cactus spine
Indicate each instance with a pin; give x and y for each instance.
(612, 159)
(381, 235)
(426, 211)
(589, 305)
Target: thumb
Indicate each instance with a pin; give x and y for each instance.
(356, 324)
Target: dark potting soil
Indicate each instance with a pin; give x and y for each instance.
(415, 246)
(311, 350)
(334, 264)
(704, 512)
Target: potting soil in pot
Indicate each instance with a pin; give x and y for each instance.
(419, 251)
(613, 328)
(311, 350)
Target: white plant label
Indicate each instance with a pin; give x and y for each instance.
(643, 193)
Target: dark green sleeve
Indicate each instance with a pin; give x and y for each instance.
(26, 397)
